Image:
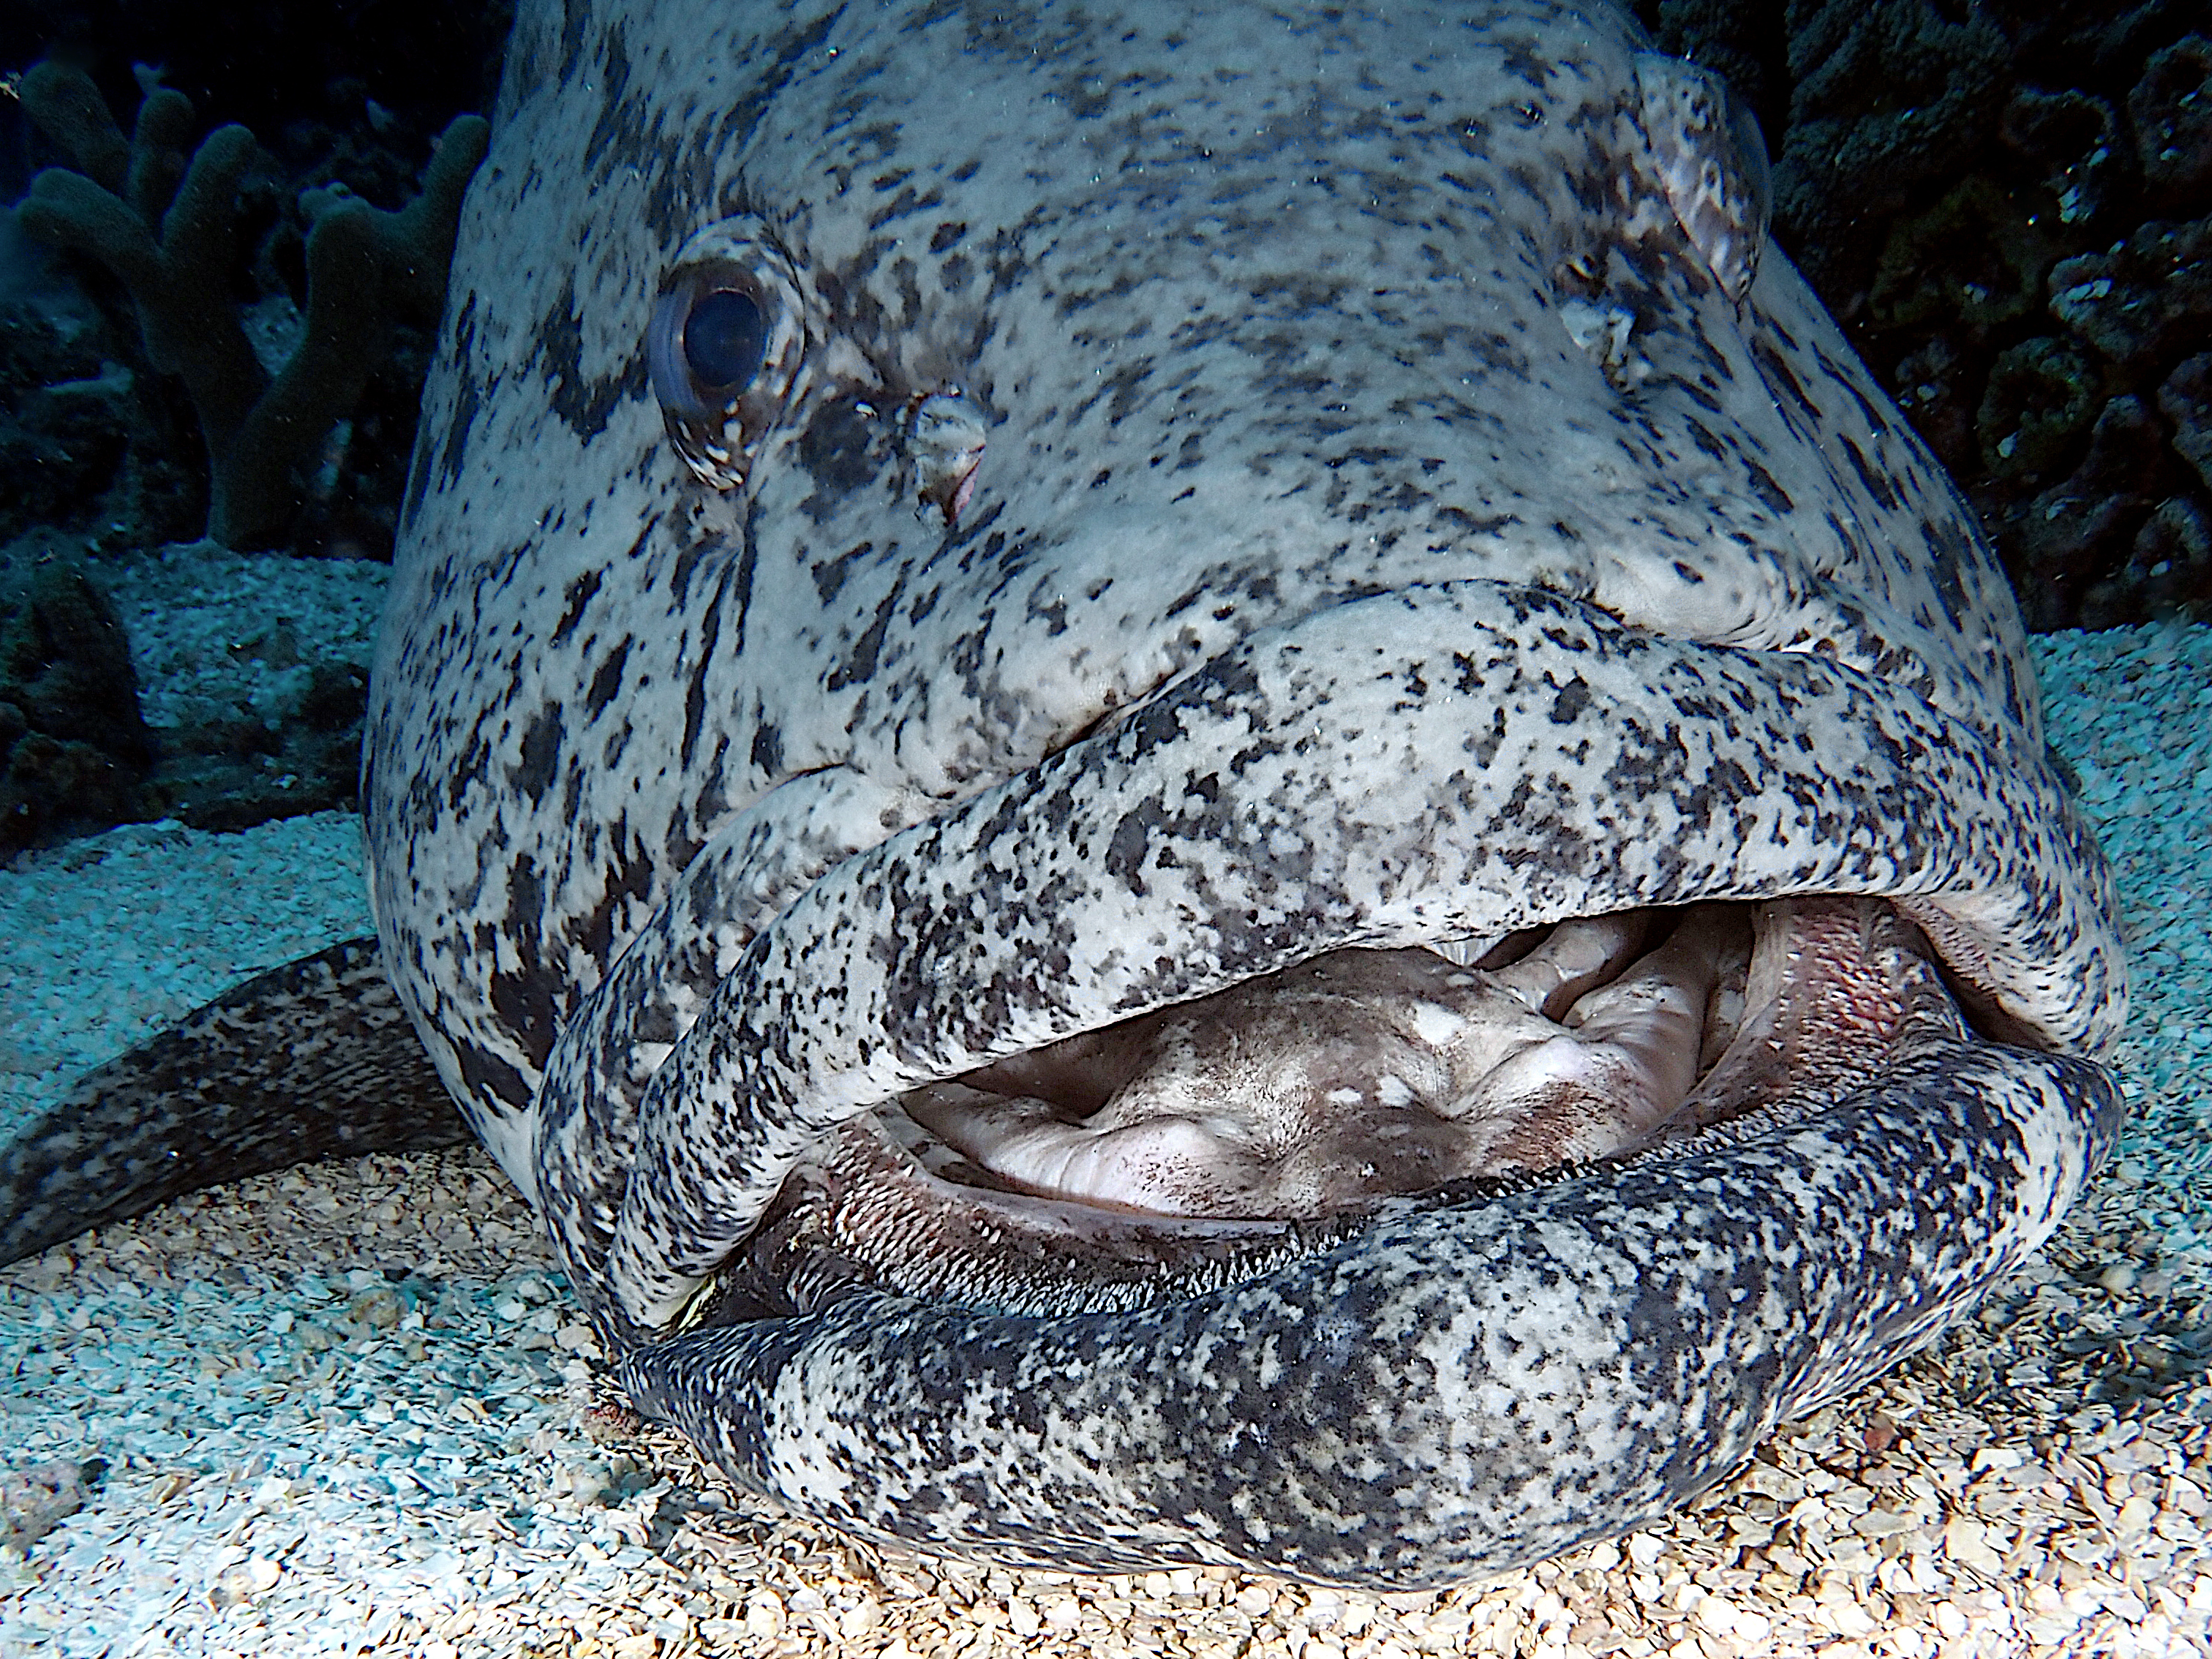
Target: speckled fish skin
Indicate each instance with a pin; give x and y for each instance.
(1393, 527)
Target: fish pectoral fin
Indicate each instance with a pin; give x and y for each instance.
(312, 1060)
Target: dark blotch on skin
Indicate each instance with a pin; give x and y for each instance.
(606, 682)
(541, 752)
(845, 448)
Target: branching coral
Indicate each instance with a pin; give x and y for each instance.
(164, 224)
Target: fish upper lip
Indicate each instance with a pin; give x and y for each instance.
(1212, 835)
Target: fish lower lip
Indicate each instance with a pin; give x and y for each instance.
(1183, 1149)
(1635, 1328)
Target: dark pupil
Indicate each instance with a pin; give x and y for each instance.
(725, 338)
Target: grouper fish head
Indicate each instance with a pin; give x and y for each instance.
(1205, 784)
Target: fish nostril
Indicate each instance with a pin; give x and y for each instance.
(945, 439)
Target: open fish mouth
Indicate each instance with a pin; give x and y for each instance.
(1675, 1037)
(1035, 974)
(1202, 1143)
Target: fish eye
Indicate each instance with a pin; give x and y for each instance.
(708, 342)
(725, 338)
(723, 350)
(1710, 161)
(1747, 148)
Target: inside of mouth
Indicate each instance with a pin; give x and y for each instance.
(1190, 1145)
(1363, 1074)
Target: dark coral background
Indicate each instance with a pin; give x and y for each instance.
(2007, 206)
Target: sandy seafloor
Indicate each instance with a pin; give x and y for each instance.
(344, 1409)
